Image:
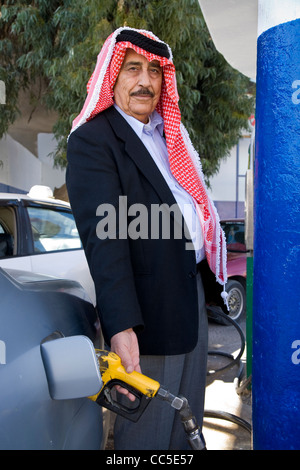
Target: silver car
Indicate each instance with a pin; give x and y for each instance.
(48, 335)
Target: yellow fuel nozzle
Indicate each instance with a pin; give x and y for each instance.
(112, 369)
(113, 373)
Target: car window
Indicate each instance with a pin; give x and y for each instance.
(53, 230)
(7, 231)
(235, 235)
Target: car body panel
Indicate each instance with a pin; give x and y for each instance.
(17, 262)
(70, 264)
(34, 308)
(237, 265)
(236, 248)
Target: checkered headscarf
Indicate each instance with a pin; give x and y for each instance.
(184, 160)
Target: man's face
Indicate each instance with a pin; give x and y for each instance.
(138, 86)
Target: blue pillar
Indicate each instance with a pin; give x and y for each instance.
(276, 278)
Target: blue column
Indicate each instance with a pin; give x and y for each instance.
(276, 283)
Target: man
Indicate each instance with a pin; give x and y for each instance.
(129, 151)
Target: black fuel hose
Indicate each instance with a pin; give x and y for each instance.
(233, 361)
(228, 417)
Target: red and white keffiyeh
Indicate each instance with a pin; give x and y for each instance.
(184, 160)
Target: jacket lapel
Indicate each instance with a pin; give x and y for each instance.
(140, 155)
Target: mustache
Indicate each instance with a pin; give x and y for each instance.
(142, 92)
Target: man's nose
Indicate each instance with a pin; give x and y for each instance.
(144, 79)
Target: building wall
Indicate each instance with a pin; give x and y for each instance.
(20, 169)
(228, 187)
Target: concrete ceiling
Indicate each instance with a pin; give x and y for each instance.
(233, 28)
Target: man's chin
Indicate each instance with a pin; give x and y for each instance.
(142, 112)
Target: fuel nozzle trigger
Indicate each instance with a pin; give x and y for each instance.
(111, 400)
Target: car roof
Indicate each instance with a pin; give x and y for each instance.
(40, 194)
(19, 197)
(233, 220)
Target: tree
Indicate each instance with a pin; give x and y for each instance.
(56, 43)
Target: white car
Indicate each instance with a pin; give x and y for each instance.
(38, 234)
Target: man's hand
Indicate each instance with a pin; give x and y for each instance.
(125, 345)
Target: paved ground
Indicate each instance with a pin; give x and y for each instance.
(221, 395)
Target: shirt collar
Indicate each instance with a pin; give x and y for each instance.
(155, 120)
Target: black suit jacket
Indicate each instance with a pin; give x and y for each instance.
(145, 283)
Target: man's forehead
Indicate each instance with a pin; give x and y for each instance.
(133, 56)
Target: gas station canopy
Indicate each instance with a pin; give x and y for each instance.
(233, 28)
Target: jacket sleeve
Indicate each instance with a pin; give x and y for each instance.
(93, 185)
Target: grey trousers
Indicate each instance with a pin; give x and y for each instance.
(159, 428)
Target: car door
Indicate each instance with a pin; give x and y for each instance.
(14, 243)
(56, 246)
